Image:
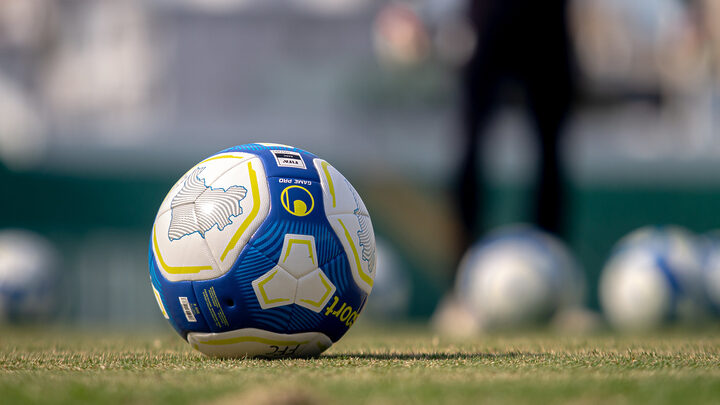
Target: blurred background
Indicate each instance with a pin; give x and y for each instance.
(104, 104)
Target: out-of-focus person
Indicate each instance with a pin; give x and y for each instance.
(520, 45)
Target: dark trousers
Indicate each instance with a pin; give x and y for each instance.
(525, 43)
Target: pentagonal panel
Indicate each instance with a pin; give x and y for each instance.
(275, 288)
(298, 255)
(314, 291)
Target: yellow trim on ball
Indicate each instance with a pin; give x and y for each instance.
(175, 269)
(159, 301)
(362, 274)
(261, 287)
(328, 289)
(253, 213)
(331, 186)
(207, 160)
(222, 157)
(254, 339)
(300, 242)
(236, 237)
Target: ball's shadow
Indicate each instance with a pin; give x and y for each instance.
(426, 356)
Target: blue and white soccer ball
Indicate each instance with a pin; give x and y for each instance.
(262, 250)
(654, 275)
(28, 277)
(518, 276)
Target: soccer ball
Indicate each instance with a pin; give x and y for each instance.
(28, 277)
(518, 276)
(653, 275)
(262, 250)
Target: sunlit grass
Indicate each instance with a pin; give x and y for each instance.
(370, 365)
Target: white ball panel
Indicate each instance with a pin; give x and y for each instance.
(350, 219)
(298, 255)
(202, 250)
(187, 258)
(271, 144)
(339, 196)
(314, 290)
(359, 246)
(259, 343)
(254, 209)
(214, 167)
(275, 288)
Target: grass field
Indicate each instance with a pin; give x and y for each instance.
(370, 365)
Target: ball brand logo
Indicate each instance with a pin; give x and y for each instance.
(297, 200)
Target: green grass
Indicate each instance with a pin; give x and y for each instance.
(371, 365)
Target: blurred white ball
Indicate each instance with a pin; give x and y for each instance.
(518, 276)
(653, 275)
(28, 277)
(392, 288)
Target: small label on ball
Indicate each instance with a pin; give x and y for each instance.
(288, 159)
(187, 310)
